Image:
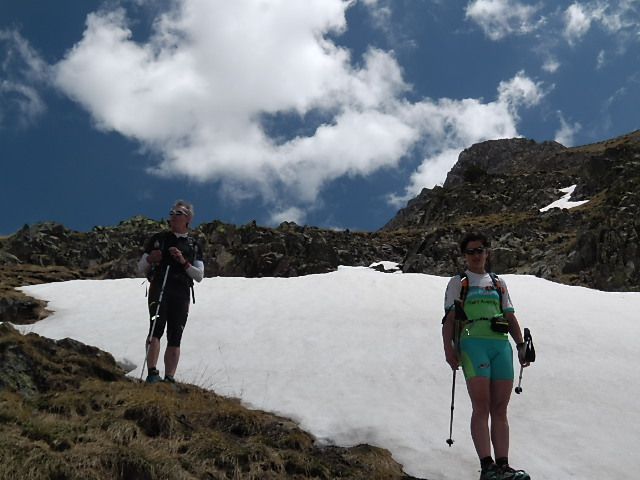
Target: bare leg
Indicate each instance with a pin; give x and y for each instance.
(154, 352)
(480, 393)
(171, 358)
(500, 395)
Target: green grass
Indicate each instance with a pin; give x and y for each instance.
(79, 424)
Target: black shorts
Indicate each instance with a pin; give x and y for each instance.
(172, 314)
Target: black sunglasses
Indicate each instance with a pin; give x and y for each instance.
(473, 251)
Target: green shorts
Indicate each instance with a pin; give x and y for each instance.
(482, 357)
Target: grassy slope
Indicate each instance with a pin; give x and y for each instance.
(68, 412)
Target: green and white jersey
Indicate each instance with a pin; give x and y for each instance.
(481, 304)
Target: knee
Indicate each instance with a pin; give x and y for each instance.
(481, 409)
(499, 410)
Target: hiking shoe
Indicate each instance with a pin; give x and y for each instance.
(492, 472)
(169, 379)
(508, 473)
(154, 376)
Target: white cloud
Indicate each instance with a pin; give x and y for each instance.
(380, 12)
(22, 101)
(292, 214)
(520, 91)
(620, 18)
(198, 90)
(451, 126)
(577, 22)
(551, 65)
(566, 132)
(500, 18)
(620, 15)
(22, 75)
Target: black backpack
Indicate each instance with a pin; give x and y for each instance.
(194, 248)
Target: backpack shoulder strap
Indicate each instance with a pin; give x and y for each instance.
(196, 245)
(162, 240)
(457, 304)
(497, 283)
(193, 246)
(464, 286)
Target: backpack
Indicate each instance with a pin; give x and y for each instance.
(464, 286)
(194, 248)
(498, 324)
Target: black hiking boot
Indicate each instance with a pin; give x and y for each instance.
(154, 376)
(508, 473)
(491, 472)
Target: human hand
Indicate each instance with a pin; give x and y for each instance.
(522, 347)
(155, 256)
(452, 358)
(177, 255)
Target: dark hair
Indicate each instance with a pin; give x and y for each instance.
(474, 237)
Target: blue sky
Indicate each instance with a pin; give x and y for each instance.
(325, 112)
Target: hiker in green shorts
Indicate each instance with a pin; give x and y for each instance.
(479, 317)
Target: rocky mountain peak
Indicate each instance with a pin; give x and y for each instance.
(495, 157)
(501, 187)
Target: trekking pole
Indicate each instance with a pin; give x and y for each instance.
(519, 388)
(529, 356)
(453, 394)
(153, 324)
(456, 341)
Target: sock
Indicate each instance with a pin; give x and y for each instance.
(502, 461)
(153, 371)
(486, 462)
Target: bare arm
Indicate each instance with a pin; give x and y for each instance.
(516, 333)
(450, 341)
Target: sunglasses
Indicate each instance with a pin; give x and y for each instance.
(473, 251)
(176, 213)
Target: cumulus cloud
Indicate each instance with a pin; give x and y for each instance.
(500, 18)
(203, 91)
(22, 74)
(520, 91)
(195, 93)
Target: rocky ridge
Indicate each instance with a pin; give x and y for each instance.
(497, 186)
(49, 251)
(500, 186)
